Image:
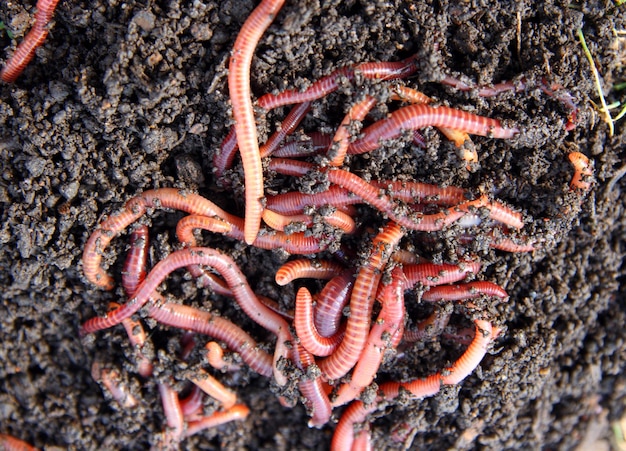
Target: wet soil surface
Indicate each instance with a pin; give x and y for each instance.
(129, 96)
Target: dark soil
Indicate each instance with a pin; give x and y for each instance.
(128, 96)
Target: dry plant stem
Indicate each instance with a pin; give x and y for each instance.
(386, 333)
(189, 318)
(34, 39)
(413, 117)
(357, 411)
(307, 269)
(241, 100)
(237, 412)
(361, 302)
(10, 443)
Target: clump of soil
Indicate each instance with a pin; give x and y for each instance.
(125, 97)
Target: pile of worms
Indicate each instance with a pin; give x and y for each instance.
(333, 340)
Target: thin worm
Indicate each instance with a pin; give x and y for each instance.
(583, 171)
(10, 443)
(189, 318)
(385, 333)
(111, 380)
(212, 387)
(236, 413)
(341, 140)
(223, 158)
(32, 41)
(136, 264)
(173, 416)
(317, 142)
(429, 328)
(361, 303)
(312, 389)
(191, 405)
(412, 117)
(331, 301)
(289, 124)
(215, 357)
(330, 83)
(306, 331)
(430, 274)
(470, 290)
(137, 336)
(307, 269)
(241, 100)
(357, 411)
(472, 357)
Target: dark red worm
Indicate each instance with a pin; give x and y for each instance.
(361, 303)
(306, 331)
(330, 83)
(331, 301)
(470, 290)
(136, 264)
(431, 274)
(288, 126)
(317, 142)
(32, 41)
(191, 405)
(10, 443)
(413, 117)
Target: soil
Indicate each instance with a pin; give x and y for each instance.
(129, 96)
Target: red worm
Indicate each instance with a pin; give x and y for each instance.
(291, 122)
(330, 83)
(331, 301)
(34, 39)
(215, 357)
(191, 405)
(212, 387)
(281, 222)
(472, 357)
(294, 203)
(468, 290)
(137, 336)
(411, 192)
(241, 100)
(317, 142)
(10, 443)
(430, 274)
(312, 389)
(385, 333)
(307, 269)
(583, 171)
(361, 303)
(431, 327)
(306, 331)
(223, 158)
(237, 282)
(189, 318)
(136, 264)
(235, 413)
(341, 140)
(173, 416)
(412, 117)
(357, 412)
(111, 380)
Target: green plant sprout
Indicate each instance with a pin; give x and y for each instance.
(604, 109)
(4, 28)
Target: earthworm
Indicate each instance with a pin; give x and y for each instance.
(111, 379)
(468, 290)
(331, 82)
(136, 264)
(212, 387)
(317, 142)
(137, 336)
(412, 117)
(191, 405)
(10, 443)
(361, 302)
(331, 301)
(341, 140)
(430, 274)
(174, 417)
(411, 192)
(294, 202)
(215, 357)
(280, 222)
(583, 171)
(306, 331)
(357, 411)
(472, 357)
(431, 327)
(307, 269)
(237, 412)
(34, 39)
(289, 124)
(241, 100)
(184, 317)
(223, 158)
(385, 333)
(295, 243)
(312, 389)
